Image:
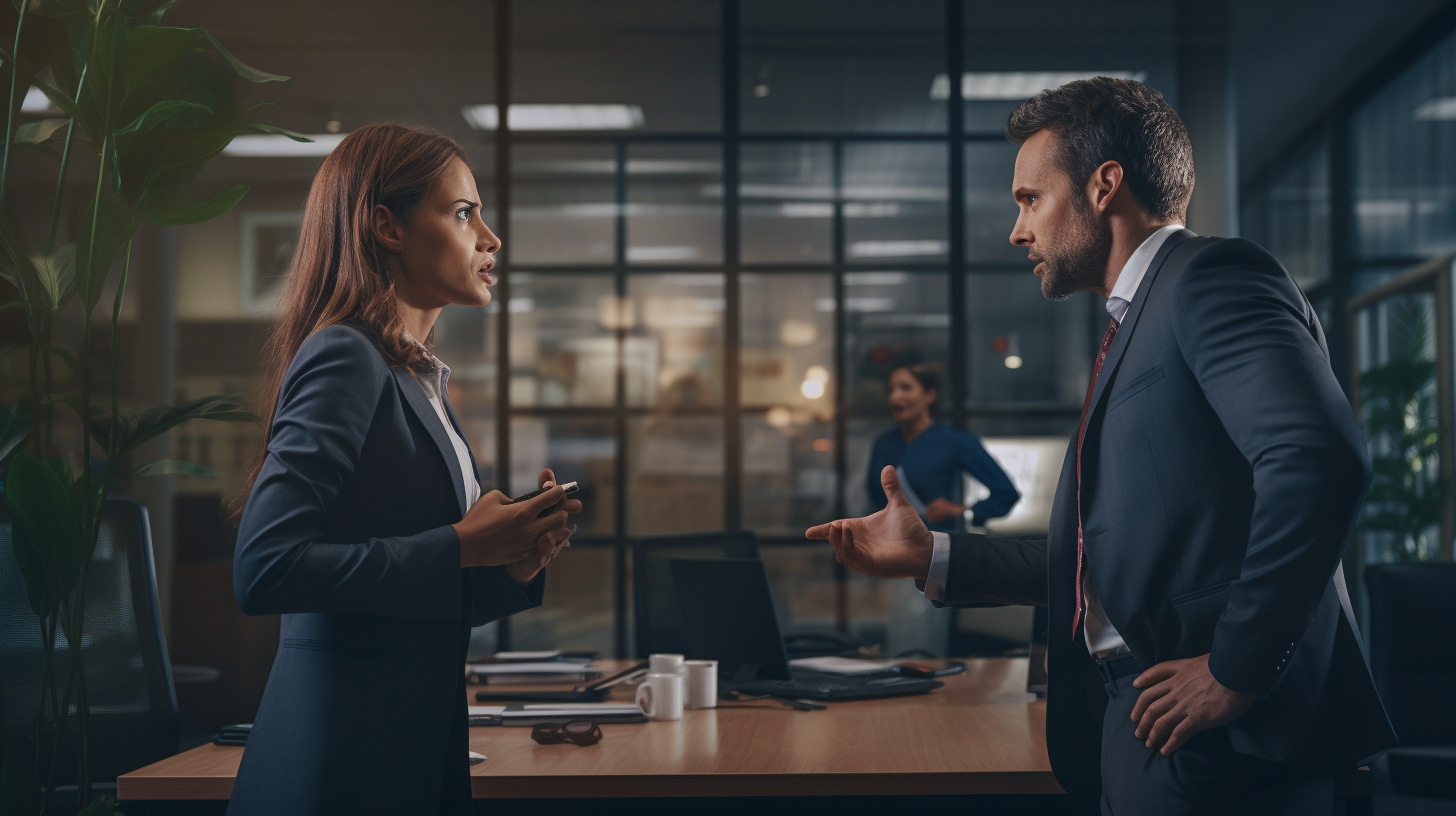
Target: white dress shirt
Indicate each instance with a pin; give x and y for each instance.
(436, 390)
(1102, 636)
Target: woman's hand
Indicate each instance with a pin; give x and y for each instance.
(496, 532)
(548, 546)
(942, 509)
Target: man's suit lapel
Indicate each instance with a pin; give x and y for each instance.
(1129, 321)
(414, 395)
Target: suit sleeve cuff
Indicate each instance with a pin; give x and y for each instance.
(934, 584)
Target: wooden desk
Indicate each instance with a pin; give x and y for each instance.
(980, 734)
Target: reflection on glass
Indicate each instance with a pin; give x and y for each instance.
(661, 55)
(787, 359)
(674, 348)
(893, 319)
(1401, 143)
(577, 449)
(562, 351)
(843, 65)
(577, 611)
(674, 204)
(1290, 216)
(801, 577)
(788, 473)
(674, 474)
(563, 204)
(1025, 348)
(787, 194)
(894, 202)
(990, 210)
(1396, 358)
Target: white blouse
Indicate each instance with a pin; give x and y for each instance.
(436, 388)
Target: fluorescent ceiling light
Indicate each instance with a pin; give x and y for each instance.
(988, 86)
(557, 117)
(895, 249)
(658, 254)
(37, 102)
(1440, 109)
(272, 145)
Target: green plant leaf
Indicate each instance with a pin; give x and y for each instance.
(37, 132)
(164, 467)
(115, 223)
(157, 420)
(59, 98)
(20, 269)
(14, 304)
(162, 215)
(67, 356)
(46, 536)
(15, 425)
(57, 275)
(159, 114)
(245, 71)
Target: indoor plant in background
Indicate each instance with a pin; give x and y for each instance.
(1398, 412)
(151, 105)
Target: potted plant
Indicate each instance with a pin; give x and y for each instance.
(151, 105)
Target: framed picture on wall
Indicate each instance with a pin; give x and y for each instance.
(269, 240)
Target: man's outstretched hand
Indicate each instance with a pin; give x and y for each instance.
(893, 543)
(1180, 698)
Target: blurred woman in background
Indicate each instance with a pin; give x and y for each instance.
(930, 456)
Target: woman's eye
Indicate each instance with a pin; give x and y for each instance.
(463, 214)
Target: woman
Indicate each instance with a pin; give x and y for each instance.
(364, 525)
(930, 457)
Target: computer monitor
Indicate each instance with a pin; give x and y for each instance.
(729, 614)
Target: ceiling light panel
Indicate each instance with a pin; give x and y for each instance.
(557, 117)
(271, 145)
(991, 86)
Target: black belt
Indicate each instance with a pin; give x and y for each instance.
(1117, 667)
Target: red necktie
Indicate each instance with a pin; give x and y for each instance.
(1082, 432)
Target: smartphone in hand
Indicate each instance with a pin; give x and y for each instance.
(570, 488)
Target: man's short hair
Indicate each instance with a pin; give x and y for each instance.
(1102, 119)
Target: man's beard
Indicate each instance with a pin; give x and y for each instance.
(1079, 262)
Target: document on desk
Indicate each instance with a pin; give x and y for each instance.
(532, 714)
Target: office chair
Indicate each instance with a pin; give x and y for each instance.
(1413, 659)
(128, 677)
(654, 595)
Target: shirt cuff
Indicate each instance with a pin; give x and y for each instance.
(934, 588)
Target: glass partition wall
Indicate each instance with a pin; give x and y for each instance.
(702, 301)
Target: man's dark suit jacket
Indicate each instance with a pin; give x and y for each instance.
(1222, 473)
(347, 534)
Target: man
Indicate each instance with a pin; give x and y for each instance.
(1203, 657)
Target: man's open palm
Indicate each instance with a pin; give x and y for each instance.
(893, 543)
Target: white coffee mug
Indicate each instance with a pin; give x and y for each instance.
(702, 677)
(665, 663)
(661, 696)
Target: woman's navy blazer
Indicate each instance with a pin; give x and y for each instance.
(347, 534)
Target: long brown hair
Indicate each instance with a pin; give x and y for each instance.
(338, 273)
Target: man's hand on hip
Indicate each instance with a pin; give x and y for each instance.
(1181, 698)
(893, 543)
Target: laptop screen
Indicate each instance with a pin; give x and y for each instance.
(729, 615)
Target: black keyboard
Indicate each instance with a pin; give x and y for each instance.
(839, 687)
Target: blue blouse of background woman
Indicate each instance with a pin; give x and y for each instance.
(932, 463)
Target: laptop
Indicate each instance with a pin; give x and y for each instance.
(729, 615)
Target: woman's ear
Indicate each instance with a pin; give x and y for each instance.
(387, 229)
